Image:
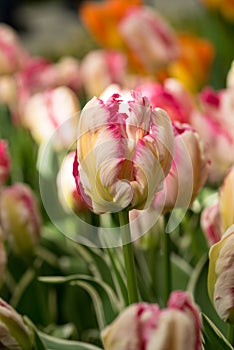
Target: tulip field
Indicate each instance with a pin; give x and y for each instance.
(117, 184)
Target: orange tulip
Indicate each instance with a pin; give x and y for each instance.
(102, 20)
(193, 66)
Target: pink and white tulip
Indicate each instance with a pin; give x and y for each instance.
(215, 124)
(52, 114)
(221, 277)
(12, 54)
(188, 173)
(149, 37)
(124, 152)
(15, 334)
(211, 223)
(100, 68)
(5, 162)
(146, 326)
(170, 96)
(67, 191)
(20, 218)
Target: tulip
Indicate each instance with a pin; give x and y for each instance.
(68, 73)
(188, 173)
(51, 111)
(214, 123)
(14, 332)
(148, 37)
(100, 68)
(220, 276)
(226, 200)
(193, 65)
(4, 162)
(20, 218)
(124, 151)
(107, 13)
(211, 223)
(171, 96)
(12, 55)
(145, 326)
(8, 90)
(67, 191)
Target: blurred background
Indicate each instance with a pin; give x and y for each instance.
(53, 28)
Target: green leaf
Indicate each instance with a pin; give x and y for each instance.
(38, 343)
(212, 337)
(53, 343)
(105, 301)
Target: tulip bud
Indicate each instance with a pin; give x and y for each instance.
(221, 277)
(19, 217)
(145, 326)
(4, 162)
(188, 172)
(67, 191)
(46, 112)
(12, 54)
(14, 334)
(211, 223)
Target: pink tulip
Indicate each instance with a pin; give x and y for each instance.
(101, 68)
(146, 326)
(12, 54)
(214, 122)
(149, 37)
(170, 96)
(67, 191)
(211, 223)
(4, 162)
(188, 172)
(124, 151)
(15, 334)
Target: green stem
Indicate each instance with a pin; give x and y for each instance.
(231, 334)
(167, 266)
(128, 258)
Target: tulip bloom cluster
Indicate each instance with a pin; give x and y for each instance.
(146, 326)
(124, 152)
